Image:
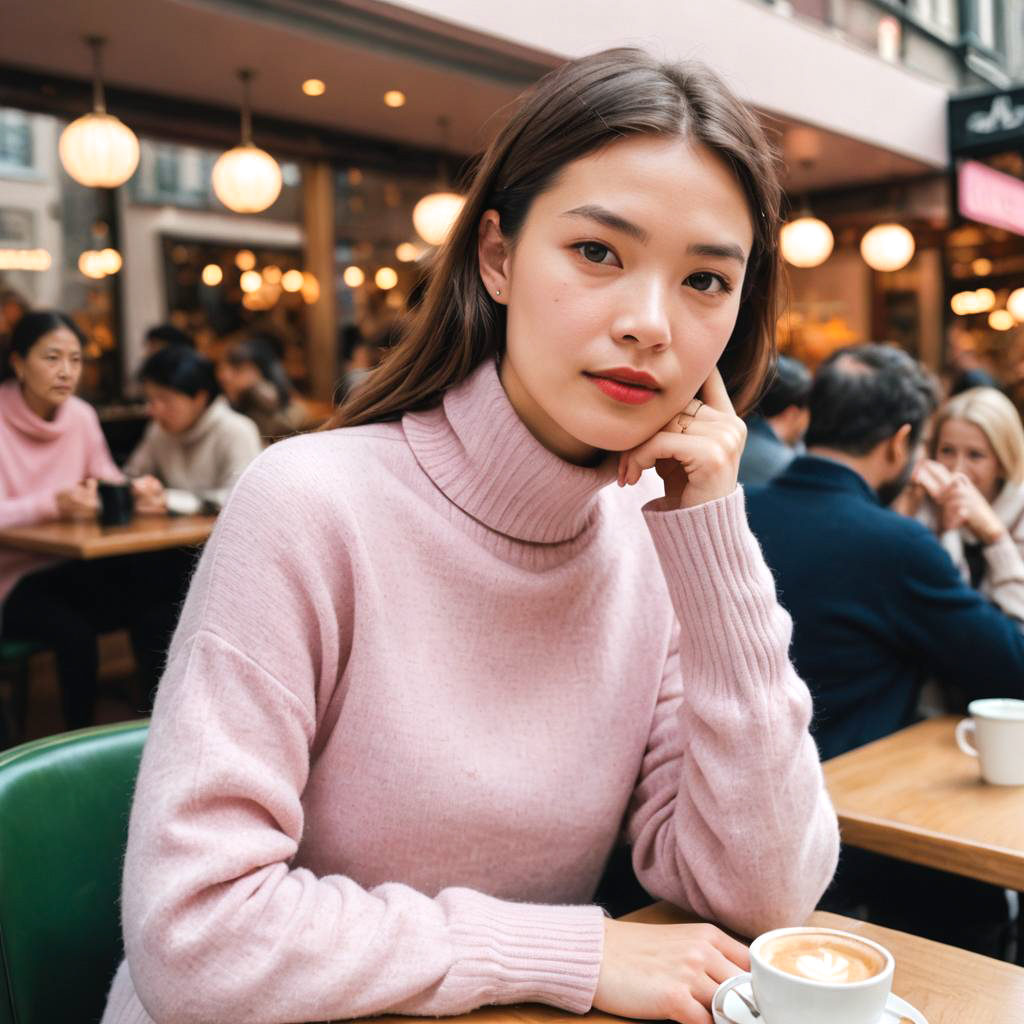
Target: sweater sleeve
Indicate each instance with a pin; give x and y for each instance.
(730, 816)
(26, 509)
(218, 924)
(142, 461)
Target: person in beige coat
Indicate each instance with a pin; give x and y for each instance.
(973, 491)
(197, 445)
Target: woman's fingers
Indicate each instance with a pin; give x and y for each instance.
(713, 444)
(688, 1010)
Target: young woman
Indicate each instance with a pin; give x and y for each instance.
(255, 384)
(196, 446)
(434, 663)
(975, 483)
(52, 452)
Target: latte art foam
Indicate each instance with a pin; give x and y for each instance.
(823, 957)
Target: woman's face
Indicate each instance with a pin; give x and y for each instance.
(963, 448)
(631, 264)
(49, 372)
(236, 379)
(174, 411)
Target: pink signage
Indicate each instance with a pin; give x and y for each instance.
(991, 197)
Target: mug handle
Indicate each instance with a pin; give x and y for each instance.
(964, 726)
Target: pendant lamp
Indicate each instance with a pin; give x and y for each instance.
(806, 241)
(887, 247)
(98, 150)
(435, 214)
(246, 179)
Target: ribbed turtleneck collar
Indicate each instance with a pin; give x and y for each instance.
(479, 453)
(16, 412)
(205, 422)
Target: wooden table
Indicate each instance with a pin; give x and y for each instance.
(90, 540)
(948, 985)
(915, 796)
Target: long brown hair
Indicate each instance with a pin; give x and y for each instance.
(573, 111)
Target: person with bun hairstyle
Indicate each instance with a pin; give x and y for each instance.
(973, 484)
(52, 453)
(196, 445)
(440, 656)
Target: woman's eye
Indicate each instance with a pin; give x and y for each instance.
(595, 252)
(710, 284)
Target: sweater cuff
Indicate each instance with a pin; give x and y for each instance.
(1004, 560)
(523, 952)
(46, 509)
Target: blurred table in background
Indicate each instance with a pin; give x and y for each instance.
(90, 540)
(915, 796)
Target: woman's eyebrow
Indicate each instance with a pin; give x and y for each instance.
(724, 252)
(609, 220)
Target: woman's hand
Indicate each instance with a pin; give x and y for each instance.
(665, 972)
(697, 453)
(964, 505)
(150, 497)
(79, 502)
(928, 481)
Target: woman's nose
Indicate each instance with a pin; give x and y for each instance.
(644, 318)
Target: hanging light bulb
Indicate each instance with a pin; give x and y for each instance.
(98, 150)
(246, 179)
(435, 214)
(806, 242)
(887, 247)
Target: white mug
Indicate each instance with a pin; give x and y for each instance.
(997, 724)
(784, 998)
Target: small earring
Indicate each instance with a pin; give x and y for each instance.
(498, 291)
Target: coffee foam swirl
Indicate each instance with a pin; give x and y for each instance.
(824, 966)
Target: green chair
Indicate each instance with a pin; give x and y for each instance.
(64, 804)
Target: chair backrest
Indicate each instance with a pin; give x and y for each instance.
(64, 804)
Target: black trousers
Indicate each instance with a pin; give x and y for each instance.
(934, 904)
(66, 607)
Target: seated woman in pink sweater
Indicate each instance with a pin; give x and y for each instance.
(434, 664)
(52, 452)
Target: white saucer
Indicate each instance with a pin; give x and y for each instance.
(728, 1008)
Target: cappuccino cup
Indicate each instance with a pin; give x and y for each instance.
(997, 726)
(813, 975)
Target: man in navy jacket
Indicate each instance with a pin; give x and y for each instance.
(877, 605)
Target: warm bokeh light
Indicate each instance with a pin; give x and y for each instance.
(806, 242)
(90, 263)
(435, 214)
(99, 151)
(394, 98)
(887, 247)
(291, 280)
(314, 87)
(385, 278)
(981, 266)
(272, 274)
(247, 179)
(212, 275)
(353, 277)
(250, 281)
(1001, 320)
(1015, 304)
(406, 252)
(245, 259)
(310, 287)
(110, 261)
(966, 303)
(25, 259)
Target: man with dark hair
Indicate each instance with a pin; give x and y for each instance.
(778, 424)
(164, 335)
(878, 608)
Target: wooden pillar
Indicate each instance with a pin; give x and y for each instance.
(318, 259)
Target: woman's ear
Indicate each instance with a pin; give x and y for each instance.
(493, 256)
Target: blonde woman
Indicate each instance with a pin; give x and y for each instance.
(974, 481)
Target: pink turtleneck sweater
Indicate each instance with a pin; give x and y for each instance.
(427, 674)
(38, 458)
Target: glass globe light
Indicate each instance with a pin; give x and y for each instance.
(887, 247)
(246, 179)
(99, 151)
(434, 215)
(806, 242)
